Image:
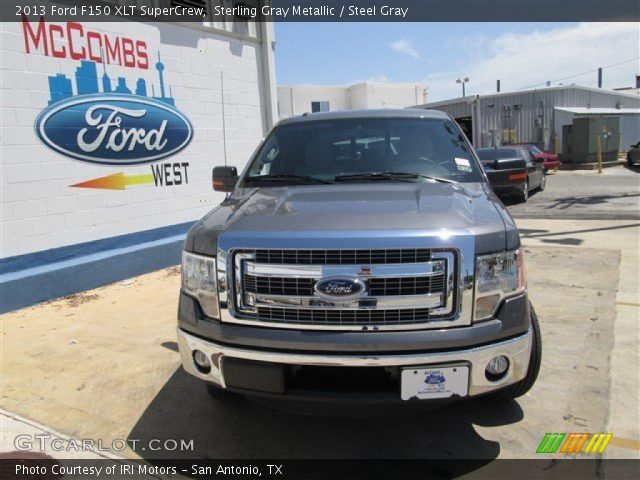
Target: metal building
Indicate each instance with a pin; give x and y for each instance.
(537, 116)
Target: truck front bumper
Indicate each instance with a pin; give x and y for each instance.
(264, 372)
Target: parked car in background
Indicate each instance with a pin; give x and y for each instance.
(549, 160)
(633, 155)
(513, 171)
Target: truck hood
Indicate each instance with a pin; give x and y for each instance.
(382, 206)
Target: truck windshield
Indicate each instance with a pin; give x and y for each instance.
(352, 148)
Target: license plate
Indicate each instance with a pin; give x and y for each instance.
(434, 382)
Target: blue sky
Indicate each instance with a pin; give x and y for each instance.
(520, 54)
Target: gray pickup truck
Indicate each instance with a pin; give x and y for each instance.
(361, 256)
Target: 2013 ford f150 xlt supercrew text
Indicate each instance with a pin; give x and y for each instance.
(361, 256)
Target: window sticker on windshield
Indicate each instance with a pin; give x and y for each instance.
(463, 164)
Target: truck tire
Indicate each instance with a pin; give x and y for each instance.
(523, 386)
(220, 393)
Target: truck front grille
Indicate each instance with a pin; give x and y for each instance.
(345, 317)
(404, 287)
(376, 286)
(343, 257)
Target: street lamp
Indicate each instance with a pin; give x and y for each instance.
(466, 79)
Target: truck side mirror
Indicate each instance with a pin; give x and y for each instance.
(224, 178)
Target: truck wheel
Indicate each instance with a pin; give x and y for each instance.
(523, 386)
(220, 393)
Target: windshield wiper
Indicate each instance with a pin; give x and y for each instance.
(398, 176)
(377, 176)
(288, 176)
(448, 180)
(391, 176)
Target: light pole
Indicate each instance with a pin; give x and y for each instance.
(466, 79)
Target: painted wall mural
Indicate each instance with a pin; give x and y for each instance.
(112, 128)
(96, 119)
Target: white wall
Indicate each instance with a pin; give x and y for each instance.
(39, 208)
(296, 99)
(387, 95)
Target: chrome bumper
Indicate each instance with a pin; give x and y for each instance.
(517, 350)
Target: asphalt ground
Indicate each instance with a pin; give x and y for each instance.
(584, 195)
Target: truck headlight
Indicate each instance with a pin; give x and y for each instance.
(498, 275)
(199, 279)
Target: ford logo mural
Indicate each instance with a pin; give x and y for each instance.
(340, 287)
(112, 129)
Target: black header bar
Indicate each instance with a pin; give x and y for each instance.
(326, 10)
(34, 468)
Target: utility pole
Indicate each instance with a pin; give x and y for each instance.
(463, 81)
(498, 85)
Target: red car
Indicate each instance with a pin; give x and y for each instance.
(549, 160)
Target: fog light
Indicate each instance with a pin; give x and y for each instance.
(485, 306)
(203, 365)
(497, 368)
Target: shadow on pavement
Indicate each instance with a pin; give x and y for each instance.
(544, 234)
(512, 201)
(567, 202)
(537, 233)
(173, 346)
(563, 241)
(241, 428)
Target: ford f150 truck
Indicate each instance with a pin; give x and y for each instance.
(360, 256)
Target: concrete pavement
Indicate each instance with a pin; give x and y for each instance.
(624, 237)
(18, 433)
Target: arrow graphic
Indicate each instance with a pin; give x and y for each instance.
(117, 181)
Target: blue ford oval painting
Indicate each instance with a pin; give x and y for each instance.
(114, 129)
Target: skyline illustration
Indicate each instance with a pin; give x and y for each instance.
(87, 82)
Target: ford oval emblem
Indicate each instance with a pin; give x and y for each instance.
(340, 287)
(114, 129)
(434, 379)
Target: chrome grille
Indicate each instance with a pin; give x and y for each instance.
(407, 288)
(375, 286)
(345, 317)
(278, 286)
(343, 257)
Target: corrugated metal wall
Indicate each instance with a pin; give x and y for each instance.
(531, 113)
(457, 109)
(629, 131)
